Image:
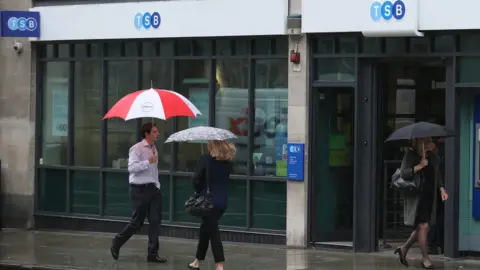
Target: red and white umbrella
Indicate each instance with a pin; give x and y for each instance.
(154, 103)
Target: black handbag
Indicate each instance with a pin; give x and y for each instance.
(411, 186)
(200, 205)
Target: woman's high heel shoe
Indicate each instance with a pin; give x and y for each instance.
(427, 267)
(193, 267)
(401, 256)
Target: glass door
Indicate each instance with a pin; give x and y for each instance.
(333, 139)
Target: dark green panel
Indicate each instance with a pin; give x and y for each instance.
(165, 188)
(52, 190)
(236, 214)
(269, 205)
(467, 69)
(182, 190)
(117, 200)
(85, 192)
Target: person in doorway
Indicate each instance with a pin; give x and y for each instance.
(436, 232)
(215, 167)
(420, 210)
(145, 195)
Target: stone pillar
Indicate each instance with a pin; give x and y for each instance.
(17, 126)
(297, 192)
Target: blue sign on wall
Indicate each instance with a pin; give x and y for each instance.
(147, 20)
(387, 10)
(20, 24)
(295, 161)
(476, 163)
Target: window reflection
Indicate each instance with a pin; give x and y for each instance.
(271, 121)
(121, 135)
(231, 106)
(158, 74)
(193, 83)
(87, 95)
(55, 114)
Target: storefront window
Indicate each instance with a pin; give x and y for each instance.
(271, 118)
(335, 69)
(55, 114)
(87, 113)
(231, 106)
(467, 69)
(158, 74)
(193, 83)
(269, 205)
(85, 192)
(121, 135)
(52, 190)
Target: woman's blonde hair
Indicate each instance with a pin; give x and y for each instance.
(221, 150)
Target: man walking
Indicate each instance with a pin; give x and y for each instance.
(145, 195)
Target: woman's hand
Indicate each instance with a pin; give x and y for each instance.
(444, 194)
(423, 162)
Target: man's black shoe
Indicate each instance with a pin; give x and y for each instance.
(114, 251)
(155, 259)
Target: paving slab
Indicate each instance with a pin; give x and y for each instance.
(81, 250)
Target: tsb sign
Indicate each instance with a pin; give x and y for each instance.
(147, 20)
(387, 10)
(22, 24)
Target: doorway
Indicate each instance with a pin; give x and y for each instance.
(410, 91)
(334, 167)
(352, 205)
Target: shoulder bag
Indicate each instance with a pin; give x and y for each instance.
(200, 205)
(412, 186)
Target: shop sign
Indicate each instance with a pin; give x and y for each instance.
(295, 161)
(147, 20)
(19, 24)
(387, 10)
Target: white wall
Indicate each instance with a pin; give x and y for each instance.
(178, 19)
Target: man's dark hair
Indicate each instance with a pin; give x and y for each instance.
(147, 128)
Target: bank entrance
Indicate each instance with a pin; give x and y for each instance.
(358, 98)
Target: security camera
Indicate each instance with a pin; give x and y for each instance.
(18, 47)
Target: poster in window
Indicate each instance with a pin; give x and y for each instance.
(59, 111)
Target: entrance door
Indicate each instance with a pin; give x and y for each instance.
(333, 155)
(410, 91)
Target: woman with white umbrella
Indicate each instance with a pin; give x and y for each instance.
(211, 182)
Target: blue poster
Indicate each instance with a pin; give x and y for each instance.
(20, 24)
(295, 161)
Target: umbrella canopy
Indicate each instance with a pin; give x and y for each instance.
(201, 133)
(420, 130)
(154, 103)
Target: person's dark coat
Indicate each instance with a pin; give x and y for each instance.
(218, 173)
(410, 160)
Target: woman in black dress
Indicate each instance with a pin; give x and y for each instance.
(420, 209)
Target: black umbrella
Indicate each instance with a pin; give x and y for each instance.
(419, 130)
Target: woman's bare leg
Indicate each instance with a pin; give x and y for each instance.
(219, 266)
(422, 242)
(411, 240)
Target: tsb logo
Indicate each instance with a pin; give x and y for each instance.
(22, 24)
(387, 10)
(147, 20)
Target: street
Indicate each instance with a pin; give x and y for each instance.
(65, 250)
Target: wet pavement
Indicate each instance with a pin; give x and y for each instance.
(78, 250)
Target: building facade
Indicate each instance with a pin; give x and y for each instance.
(363, 72)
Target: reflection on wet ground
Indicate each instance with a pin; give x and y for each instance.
(65, 250)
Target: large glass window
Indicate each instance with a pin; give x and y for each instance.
(231, 106)
(271, 121)
(55, 114)
(87, 116)
(121, 135)
(158, 74)
(248, 83)
(193, 83)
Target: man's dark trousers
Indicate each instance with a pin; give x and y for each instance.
(146, 203)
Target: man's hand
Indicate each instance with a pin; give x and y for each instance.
(153, 158)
